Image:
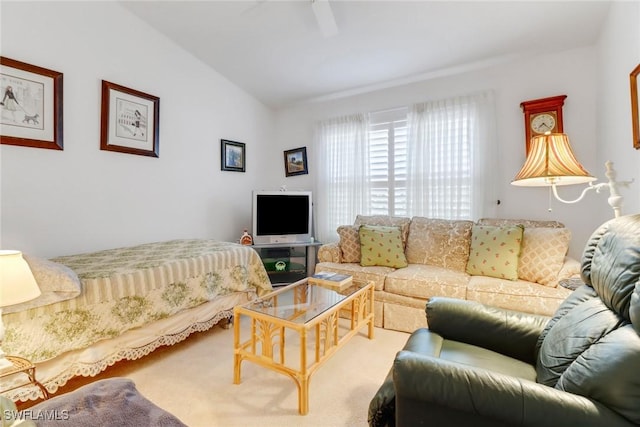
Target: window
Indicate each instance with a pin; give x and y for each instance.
(430, 159)
(442, 144)
(388, 162)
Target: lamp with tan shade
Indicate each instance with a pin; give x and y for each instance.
(551, 163)
(17, 285)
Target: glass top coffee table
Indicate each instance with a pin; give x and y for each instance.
(318, 320)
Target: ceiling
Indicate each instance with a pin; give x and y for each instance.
(275, 50)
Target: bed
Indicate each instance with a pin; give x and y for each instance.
(102, 307)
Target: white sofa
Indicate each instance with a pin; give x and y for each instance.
(438, 252)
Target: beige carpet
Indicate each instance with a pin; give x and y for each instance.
(194, 381)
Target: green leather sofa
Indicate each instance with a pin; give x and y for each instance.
(482, 366)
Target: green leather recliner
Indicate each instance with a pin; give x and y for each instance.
(483, 366)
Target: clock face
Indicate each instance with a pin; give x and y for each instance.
(543, 123)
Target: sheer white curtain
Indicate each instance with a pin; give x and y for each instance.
(451, 165)
(343, 178)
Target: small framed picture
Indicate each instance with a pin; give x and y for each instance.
(232, 155)
(295, 162)
(130, 121)
(31, 105)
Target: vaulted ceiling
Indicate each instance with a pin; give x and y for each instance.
(276, 51)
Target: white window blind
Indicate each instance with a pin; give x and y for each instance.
(388, 162)
(434, 159)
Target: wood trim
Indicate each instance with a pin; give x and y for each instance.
(536, 106)
(635, 108)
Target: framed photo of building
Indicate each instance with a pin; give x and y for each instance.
(233, 156)
(295, 162)
(31, 105)
(129, 121)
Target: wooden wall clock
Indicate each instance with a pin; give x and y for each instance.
(542, 116)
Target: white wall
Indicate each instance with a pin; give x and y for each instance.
(82, 198)
(618, 53)
(54, 203)
(572, 73)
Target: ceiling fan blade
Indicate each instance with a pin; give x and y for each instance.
(325, 18)
(251, 7)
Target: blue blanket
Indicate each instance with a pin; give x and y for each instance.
(109, 402)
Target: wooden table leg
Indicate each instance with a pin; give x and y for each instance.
(237, 359)
(303, 387)
(303, 396)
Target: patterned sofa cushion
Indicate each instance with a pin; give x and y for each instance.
(439, 242)
(518, 295)
(526, 223)
(540, 260)
(349, 243)
(385, 220)
(543, 253)
(424, 281)
(330, 252)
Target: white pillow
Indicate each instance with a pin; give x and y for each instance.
(57, 282)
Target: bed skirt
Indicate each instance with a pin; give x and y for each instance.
(131, 345)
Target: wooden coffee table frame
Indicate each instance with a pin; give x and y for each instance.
(268, 332)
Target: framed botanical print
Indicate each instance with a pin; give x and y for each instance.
(129, 121)
(31, 105)
(295, 162)
(232, 155)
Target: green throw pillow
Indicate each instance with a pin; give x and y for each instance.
(381, 245)
(495, 251)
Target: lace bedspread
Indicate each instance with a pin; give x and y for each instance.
(127, 288)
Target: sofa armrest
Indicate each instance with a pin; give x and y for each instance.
(330, 252)
(508, 332)
(382, 406)
(570, 268)
(432, 391)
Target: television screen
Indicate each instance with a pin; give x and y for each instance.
(281, 216)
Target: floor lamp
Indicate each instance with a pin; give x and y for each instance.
(551, 163)
(17, 285)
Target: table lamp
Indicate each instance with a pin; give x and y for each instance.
(17, 285)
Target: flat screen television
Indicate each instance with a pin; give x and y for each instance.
(282, 216)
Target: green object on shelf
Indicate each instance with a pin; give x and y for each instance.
(282, 265)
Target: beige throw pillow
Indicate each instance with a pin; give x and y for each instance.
(349, 243)
(543, 253)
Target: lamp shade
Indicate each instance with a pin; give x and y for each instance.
(17, 283)
(551, 162)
